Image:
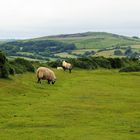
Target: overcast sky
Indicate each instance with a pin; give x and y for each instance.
(34, 18)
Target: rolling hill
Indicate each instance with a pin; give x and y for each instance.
(93, 40)
(71, 45)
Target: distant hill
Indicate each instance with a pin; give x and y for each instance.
(96, 40)
(71, 45)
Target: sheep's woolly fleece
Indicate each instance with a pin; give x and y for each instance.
(45, 74)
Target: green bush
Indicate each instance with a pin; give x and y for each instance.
(85, 63)
(4, 72)
(133, 68)
(17, 66)
(18, 69)
(21, 65)
(11, 70)
(55, 64)
(102, 62)
(97, 62)
(118, 52)
(116, 62)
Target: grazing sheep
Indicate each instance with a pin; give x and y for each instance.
(59, 68)
(44, 73)
(66, 66)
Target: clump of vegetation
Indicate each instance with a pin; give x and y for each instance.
(38, 49)
(17, 66)
(128, 51)
(133, 68)
(4, 72)
(55, 64)
(135, 37)
(117, 62)
(84, 63)
(21, 65)
(118, 52)
(102, 62)
(97, 62)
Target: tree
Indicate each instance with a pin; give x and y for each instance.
(118, 52)
(4, 72)
(128, 51)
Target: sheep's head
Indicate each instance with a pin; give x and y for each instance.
(53, 81)
(63, 62)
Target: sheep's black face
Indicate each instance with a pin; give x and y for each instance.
(53, 82)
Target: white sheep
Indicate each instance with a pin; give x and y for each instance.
(66, 66)
(59, 68)
(44, 73)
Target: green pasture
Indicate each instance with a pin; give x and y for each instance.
(65, 55)
(83, 105)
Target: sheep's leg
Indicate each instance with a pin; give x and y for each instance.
(48, 81)
(69, 70)
(64, 68)
(39, 80)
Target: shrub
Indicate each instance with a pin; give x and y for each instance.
(4, 72)
(118, 52)
(133, 68)
(128, 51)
(95, 62)
(18, 65)
(116, 62)
(2, 58)
(55, 64)
(102, 62)
(11, 70)
(85, 63)
(21, 65)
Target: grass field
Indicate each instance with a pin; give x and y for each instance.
(30, 59)
(83, 105)
(108, 53)
(82, 51)
(66, 55)
(136, 46)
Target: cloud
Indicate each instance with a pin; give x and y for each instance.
(39, 17)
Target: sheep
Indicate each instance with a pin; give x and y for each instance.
(59, 68)
(44, 73)
(66, 65)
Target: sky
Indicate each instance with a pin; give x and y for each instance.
(35, 18)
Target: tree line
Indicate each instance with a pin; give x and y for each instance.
(20, 65)
(46, 47)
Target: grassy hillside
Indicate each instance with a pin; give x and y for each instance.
(94, 40)
(63, 46)
(84, 105)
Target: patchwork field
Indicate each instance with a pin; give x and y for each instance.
(83, 105)
(65, 55)
(108, 53)
(70, 46)
(136, 46)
